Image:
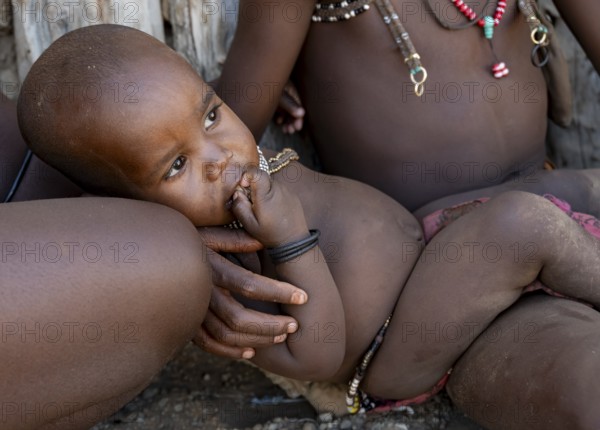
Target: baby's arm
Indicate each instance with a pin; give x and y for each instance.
(275, 217)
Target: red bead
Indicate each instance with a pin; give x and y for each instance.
(499, 70)
(470, 14)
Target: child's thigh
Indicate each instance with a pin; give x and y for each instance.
(467, 274)
(97, 296)
(535, 367)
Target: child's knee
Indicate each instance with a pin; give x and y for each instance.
(173, 283)
(521, 214)
(518, 202)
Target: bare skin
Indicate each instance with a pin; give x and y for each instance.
(382, 240)
(74, 318)
(352, 81)
(46, 302)
(41, 181)
(539, 339)
(355, 90)
(468, 136)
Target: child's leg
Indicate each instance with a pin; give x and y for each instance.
(579, 188)
(535, 367)
(469, 273)
(97, 295)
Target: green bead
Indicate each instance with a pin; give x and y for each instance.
(488, 27)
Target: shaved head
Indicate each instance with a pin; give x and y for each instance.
(81, 101)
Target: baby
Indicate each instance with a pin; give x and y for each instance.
(121, 114)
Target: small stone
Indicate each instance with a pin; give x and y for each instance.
(131, 417)
(309, 426)
(225, 377)
(206, 377)
(326, 417)
(163, 402)
(149, 393)
(346, 424)
(178, 407)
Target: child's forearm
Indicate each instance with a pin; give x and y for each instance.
(316, 350)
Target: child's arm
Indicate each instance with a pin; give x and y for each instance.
(580, 17)
(263, 54)
(275, 217)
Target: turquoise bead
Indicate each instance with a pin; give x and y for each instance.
(488, 27)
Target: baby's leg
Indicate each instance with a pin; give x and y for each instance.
(535, 367)
(97, 296)
(469, 273)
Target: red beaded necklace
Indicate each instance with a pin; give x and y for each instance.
(499, 69)
(471, 15)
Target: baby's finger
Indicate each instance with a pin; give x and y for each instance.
(260, 185)
(241, 207)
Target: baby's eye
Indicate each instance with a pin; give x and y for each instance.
(176, 167)
(211, 118)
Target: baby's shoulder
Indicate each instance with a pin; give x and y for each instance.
(349, 210)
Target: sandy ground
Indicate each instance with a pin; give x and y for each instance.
(199, 391)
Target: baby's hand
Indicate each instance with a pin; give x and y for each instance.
(270, 213)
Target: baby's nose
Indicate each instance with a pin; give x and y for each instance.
(217, 163)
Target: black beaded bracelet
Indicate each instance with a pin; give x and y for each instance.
(289, 251)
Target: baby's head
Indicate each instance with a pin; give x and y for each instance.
(122, 114)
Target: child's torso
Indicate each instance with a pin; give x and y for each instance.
(468, 130)
(370, 244)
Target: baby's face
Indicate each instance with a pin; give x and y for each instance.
(185, 148)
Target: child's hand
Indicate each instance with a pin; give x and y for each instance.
(270, 213)
(290, 113)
